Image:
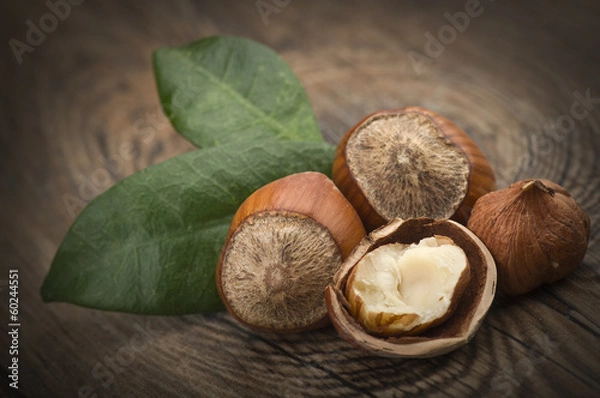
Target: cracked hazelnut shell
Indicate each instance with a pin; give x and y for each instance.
(456, 330)
(408, 163)
(536, 232)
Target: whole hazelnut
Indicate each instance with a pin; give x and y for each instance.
(285, 243)
(408, 163)
(535, 230)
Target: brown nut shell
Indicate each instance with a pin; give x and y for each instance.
(284, 245)
(536, 232)
(410, 162)
(457, 330)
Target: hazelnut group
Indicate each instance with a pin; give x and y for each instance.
(420, 283)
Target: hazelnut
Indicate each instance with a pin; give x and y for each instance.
(436, 309)
(408, 163)
(403, 288)
(535, 230)
(283, 247)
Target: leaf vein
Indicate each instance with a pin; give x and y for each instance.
(236, 95)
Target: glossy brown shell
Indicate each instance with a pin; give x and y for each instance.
(307, 194)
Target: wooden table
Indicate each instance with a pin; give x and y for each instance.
(512, 76)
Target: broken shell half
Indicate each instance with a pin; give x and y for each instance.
(444, 336)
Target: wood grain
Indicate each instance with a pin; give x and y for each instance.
(81, 112)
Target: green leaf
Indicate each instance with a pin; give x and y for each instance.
(222, 89)
(150, 244)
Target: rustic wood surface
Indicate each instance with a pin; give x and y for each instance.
(81, 112)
